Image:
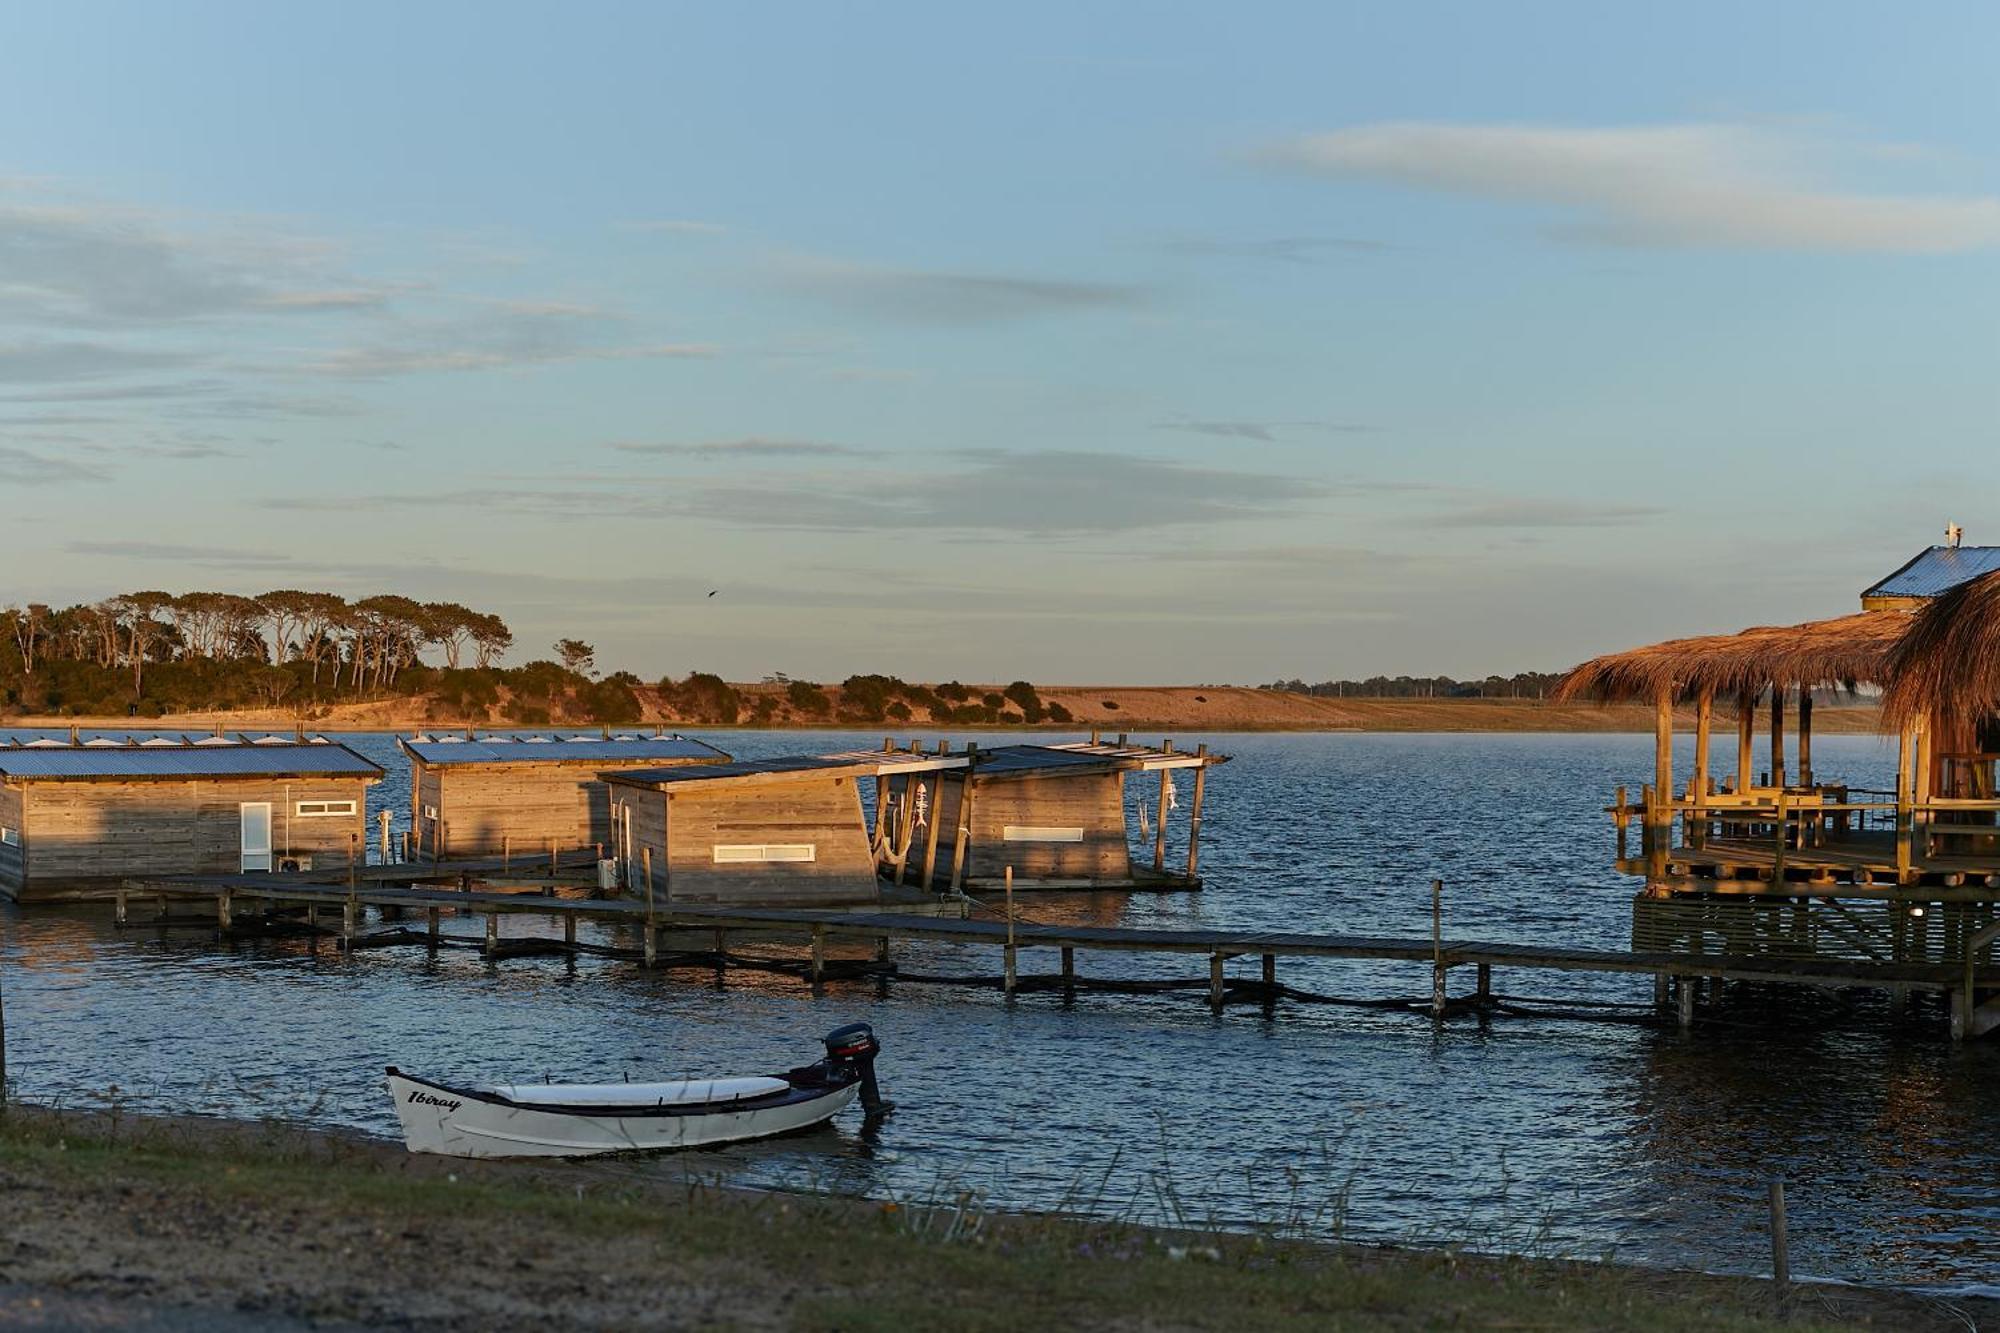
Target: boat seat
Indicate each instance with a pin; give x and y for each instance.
(640, 1094)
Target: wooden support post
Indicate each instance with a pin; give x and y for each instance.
(349, 910)
(569, 929)
(818, 954)
(1704, 722)
(1906, 750)
(1194, 812)
(1684, 997)
(1778, 843)
(1777, 734)
(160, 907)
(1215, 982)
(431, 922)
(906, 820)
(1661, 990)
(1008, 984)
(1484, 971)
(652, 943)
(1437, 950)
(1621, 820)
(1746, 734)
(1068, 968)
(118, 907)
(1781, 1257)
(1270, 972)
(223, 919)
(1160, 817)
(936, 818)
(1805, 736)
(492, 933)
(1660, 816)
(646, 861)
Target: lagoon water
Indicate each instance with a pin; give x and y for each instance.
(1583, 1138)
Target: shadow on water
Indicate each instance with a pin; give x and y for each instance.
(1521, 1132)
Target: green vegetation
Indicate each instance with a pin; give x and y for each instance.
(1526, 685)
(213, 1217)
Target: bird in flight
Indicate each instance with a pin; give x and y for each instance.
(713, 591)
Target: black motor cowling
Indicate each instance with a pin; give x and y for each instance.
(854, 1046)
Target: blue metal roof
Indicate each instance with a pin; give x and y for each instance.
(741, 768)
(262, 759)
(1937, 570)
(1040, 759)
(445, 750)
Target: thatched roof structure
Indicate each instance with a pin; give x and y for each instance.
(1947, 667)
(1845, 651)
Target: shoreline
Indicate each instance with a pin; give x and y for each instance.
(133, 1218)
(1165, 710)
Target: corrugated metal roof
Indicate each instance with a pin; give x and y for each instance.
(1939, 569)
(447, 750)
(861, 763)
(228, 760)
(1036, 758)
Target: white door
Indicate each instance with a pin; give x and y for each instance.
(256, 835)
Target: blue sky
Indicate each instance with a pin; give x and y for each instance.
(1081, 343)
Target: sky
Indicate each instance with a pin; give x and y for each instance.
(1076, 343)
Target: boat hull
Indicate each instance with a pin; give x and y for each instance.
(457, 1122)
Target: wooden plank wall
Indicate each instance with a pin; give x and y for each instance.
(105, 831)
(484, 806)
(823, 811)
(426, 790)
(1094, 802)
(13, 860)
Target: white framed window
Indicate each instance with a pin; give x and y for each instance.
(1040, 833)
(324, 809)
(738, 853)
(431, 813)
(10, 837)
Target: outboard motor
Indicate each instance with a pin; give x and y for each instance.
(855, 1045)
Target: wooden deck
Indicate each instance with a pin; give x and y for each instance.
(232, 897)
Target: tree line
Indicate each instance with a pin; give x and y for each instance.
(1525, 685)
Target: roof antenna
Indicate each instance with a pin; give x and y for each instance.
(1952, 535)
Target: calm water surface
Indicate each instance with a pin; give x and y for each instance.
(1587, 1138)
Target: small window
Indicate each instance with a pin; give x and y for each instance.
(726, 853)
(10, 837)
(324, 809)
(431, 813)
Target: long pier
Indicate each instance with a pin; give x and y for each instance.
(1677, 975)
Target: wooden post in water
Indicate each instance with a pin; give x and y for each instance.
(1215, 982)
(818, 954)
(224, 919)
(652, 934)
(1437, 950)
(936, 817)
(1160, 814)
(963, 841)
(1069, 970)
(1906, 749)
(1008, 983)
(569, 929)
(1194, 811)
(1684, 998)
(118, 907)
(1781, 1252)
(1621, 820)
(431, 915)
(1661, 815)
(492, 933)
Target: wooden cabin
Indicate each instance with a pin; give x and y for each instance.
(494, 795)
(77, 819)
(1055, 814)
(1779, 855)
(767, 832)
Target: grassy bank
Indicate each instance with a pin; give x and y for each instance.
(195, 1216)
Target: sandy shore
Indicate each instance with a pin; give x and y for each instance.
(1149, 710)
(187, 1223)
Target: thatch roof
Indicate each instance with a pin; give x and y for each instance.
(1947, 667)
(1846, 651)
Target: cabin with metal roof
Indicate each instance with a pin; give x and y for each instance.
(790, 831)
(78, 818)
(473, 796)
(1784, 856)
(1056, 815)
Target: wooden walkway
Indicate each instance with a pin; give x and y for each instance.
(231, 897)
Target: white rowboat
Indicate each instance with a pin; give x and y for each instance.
(586, 1119)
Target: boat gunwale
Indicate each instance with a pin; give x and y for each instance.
(797, 1092)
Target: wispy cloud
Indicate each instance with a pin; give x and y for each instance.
(1542, 513)
(752, 447)
(176, 553)
(505, 336)
(1263, 432)
(674, 226)
(941, 296)
(24, 467)
(1690, 185)
(42, 362)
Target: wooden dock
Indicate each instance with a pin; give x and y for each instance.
(253, 901)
